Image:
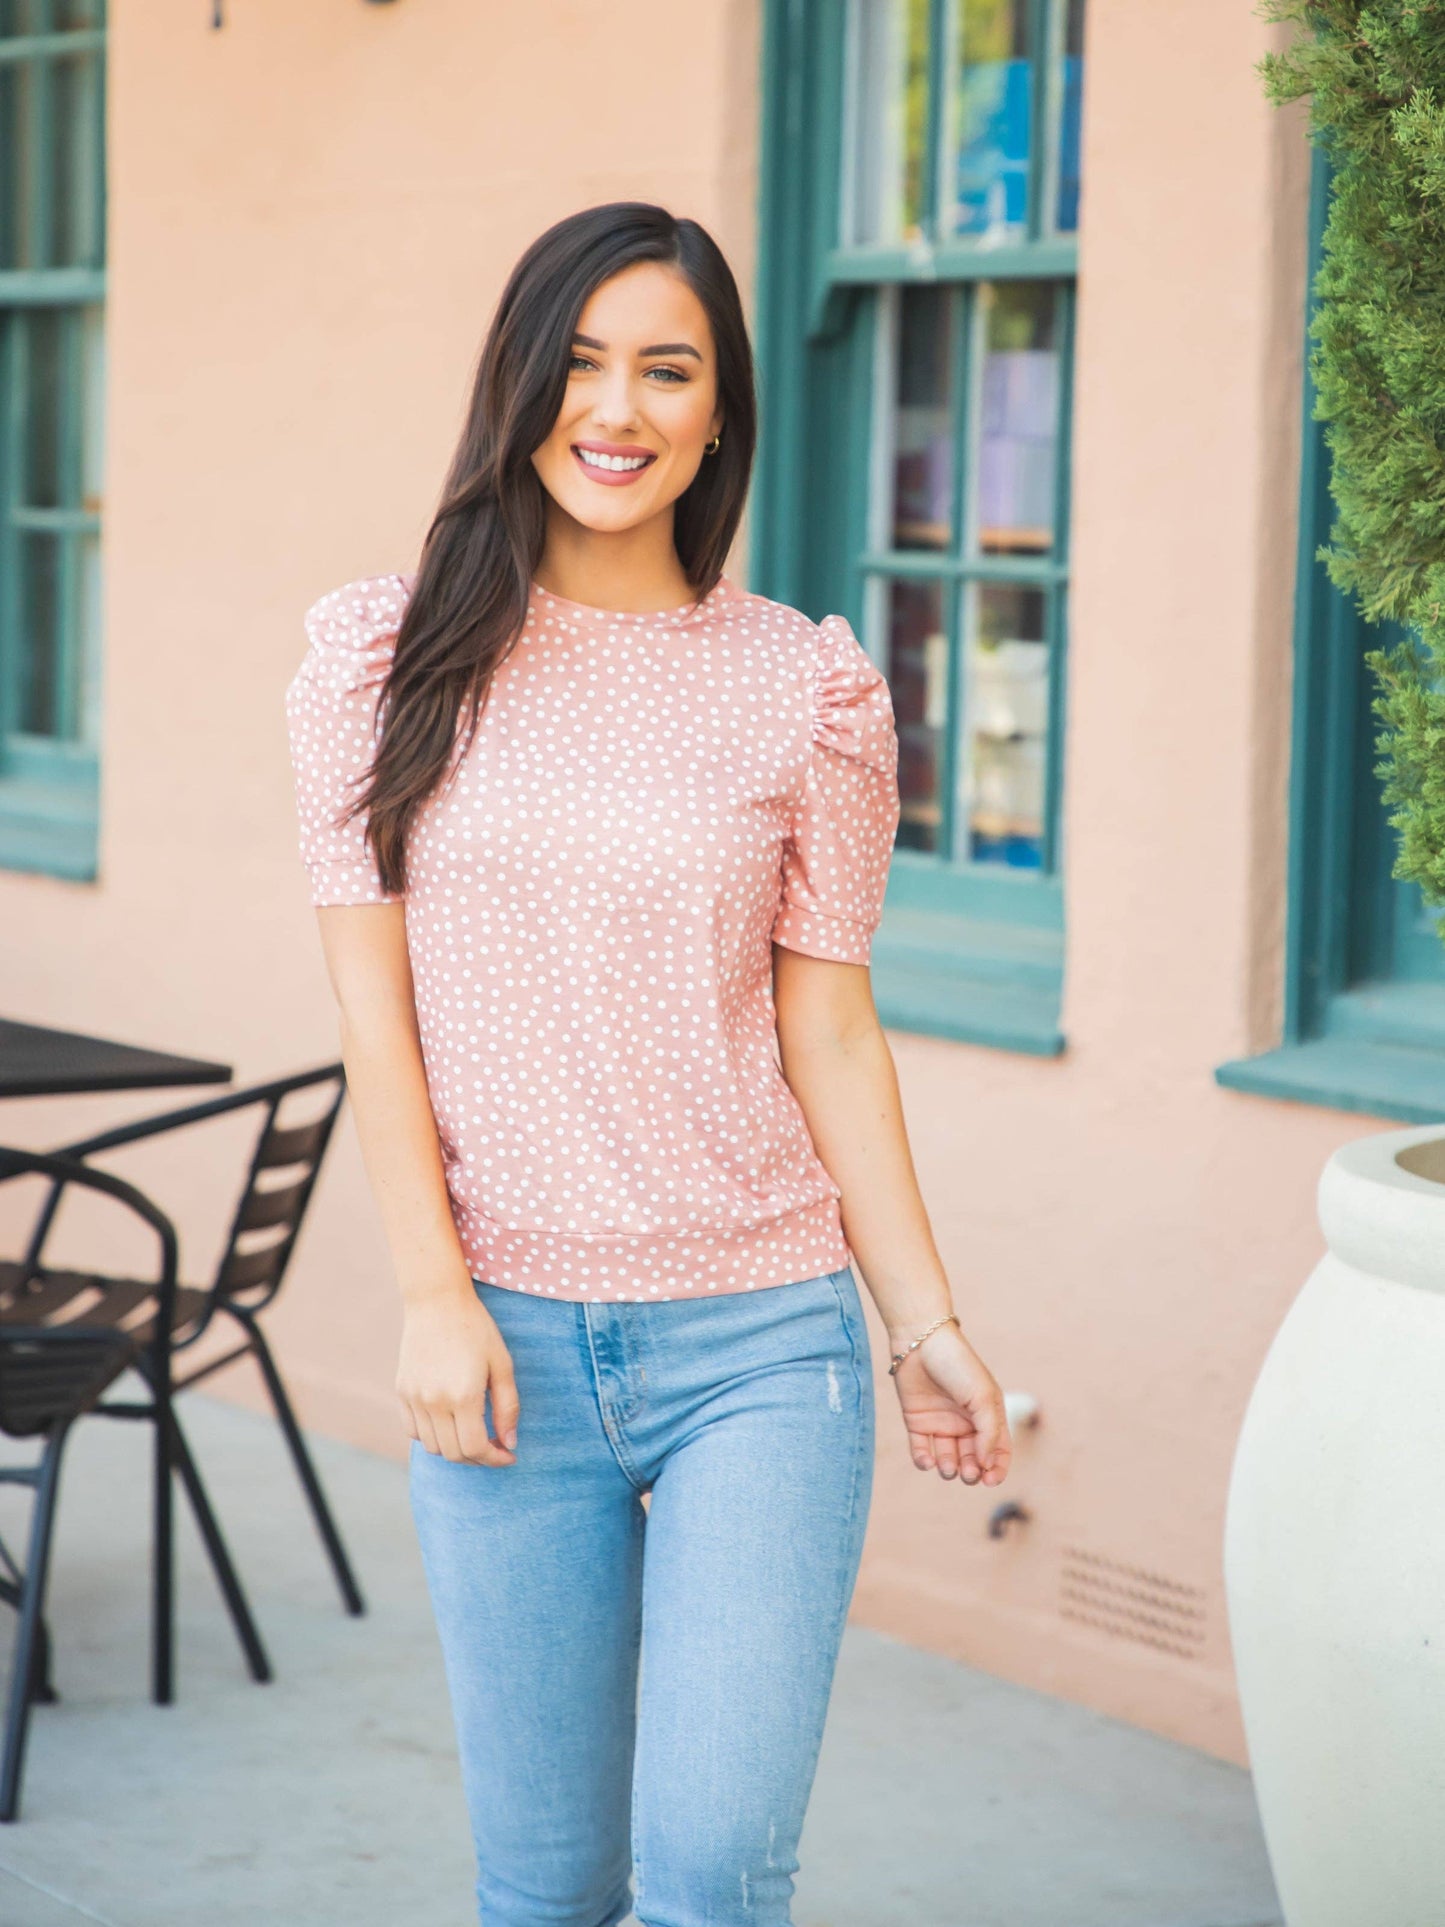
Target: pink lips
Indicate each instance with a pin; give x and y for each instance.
(613, 477)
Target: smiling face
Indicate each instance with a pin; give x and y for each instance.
(640, 405)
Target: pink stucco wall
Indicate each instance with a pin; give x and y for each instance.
(311, 213)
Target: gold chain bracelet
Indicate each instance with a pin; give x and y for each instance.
(951, 1318)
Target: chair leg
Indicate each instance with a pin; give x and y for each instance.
(12, 1591)
(37, 1567)
(163, 1608)
(306, 1471)
(225, 1571)
(42, 1690)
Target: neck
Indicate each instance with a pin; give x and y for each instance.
(636, 570)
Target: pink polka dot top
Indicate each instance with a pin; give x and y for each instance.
(649, 802)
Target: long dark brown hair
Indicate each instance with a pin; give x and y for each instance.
(469, 598)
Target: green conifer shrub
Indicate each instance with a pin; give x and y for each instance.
(1375, 80)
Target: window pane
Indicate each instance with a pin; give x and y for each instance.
(10, 171)
(916, 664)
(74, 170)
(21, 243)
(991, 120)
(39, 557)
(923, 419)
(1016, 418)
(889, 120)
(1007, 712)
(91, 386)
(41, 333)
(1068, 90)
(24, 16)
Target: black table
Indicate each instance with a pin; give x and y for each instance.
(37, 1062)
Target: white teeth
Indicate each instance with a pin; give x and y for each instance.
(594, 460)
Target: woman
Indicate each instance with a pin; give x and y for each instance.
(590, 829)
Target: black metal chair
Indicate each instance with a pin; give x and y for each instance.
(53, 1372)
(253, 1264)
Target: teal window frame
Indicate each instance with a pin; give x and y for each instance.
(967, 950)
(50, 780)
(1356, 1036)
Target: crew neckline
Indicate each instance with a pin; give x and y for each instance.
(662, 618)
(722, 590)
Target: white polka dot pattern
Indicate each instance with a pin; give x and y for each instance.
(648, 803)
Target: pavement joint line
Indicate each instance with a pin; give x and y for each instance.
(39, 1887)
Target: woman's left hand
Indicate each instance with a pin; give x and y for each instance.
(953, 1409)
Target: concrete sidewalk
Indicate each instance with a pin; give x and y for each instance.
(945, 1798)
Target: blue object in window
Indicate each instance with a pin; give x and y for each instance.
(995, 120)
(1070, 116)
(1017, 852)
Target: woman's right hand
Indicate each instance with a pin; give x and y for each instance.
(452, 1355)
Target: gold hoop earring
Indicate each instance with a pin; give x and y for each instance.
(712, 447)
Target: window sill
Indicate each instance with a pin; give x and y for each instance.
(973, 982)
(1402, 1082)
(48, 827)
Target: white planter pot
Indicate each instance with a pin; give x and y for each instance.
(1334, 1553)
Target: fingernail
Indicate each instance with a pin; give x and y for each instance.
(509, 1439)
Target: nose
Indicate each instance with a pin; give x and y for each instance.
(614, 406)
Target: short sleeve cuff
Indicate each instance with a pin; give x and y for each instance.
(342, 882)
(817, 934)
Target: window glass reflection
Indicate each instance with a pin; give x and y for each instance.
(923, 420)
(1016, 420)
(74, 161)
(991, 111)
(22, 17)
(39, 572)
(1068, 88)
(1006, 708)
(917, 669)
(39, 336)
(20, 243)
(89, 382)
(889, 120)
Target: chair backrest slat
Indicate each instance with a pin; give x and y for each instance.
(260, 1270)
(244, 1270)
(300, 1144)
(281, 1204)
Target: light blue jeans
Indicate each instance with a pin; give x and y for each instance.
(643, 1692)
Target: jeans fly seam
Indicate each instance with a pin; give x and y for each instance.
(614, 1443)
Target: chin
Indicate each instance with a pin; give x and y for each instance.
(594, 515)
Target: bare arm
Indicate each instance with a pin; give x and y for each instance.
(837, 1063)
(452, 1353)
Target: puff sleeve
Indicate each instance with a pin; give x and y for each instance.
(331, 706)
(836, 856)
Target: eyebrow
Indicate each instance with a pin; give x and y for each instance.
(661, 348)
